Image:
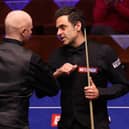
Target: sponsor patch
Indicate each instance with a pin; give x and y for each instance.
(85, 70)
(116, 63)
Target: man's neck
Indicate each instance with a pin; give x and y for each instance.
(13, 37)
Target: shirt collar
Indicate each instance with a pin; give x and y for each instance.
(14, 41)
(71, 49)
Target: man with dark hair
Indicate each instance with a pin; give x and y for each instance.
(21, 72)
(69, 67)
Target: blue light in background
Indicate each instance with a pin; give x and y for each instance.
(17, 4)
(62, 3)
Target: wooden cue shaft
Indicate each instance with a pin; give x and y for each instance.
(88, 77)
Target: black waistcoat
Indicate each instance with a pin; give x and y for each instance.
(14, 90)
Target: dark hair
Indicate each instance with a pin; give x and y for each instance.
(74, 15)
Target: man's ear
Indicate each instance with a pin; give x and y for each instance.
(78, 26)
(22, 31)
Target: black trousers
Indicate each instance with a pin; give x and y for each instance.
(77, 125)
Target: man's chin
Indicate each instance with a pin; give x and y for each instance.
(65, 43)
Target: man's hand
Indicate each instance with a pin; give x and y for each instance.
(91, 92)
(67, 68)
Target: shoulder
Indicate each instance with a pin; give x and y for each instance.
(103, 51)
(36, 58)
(100, 47)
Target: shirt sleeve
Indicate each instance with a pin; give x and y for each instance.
(41, 76)
(115, 74)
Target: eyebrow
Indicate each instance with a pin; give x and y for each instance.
(61, 26)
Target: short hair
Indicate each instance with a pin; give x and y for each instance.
(74, 15)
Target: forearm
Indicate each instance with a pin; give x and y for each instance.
(116, 90)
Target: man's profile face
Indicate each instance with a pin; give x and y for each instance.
(66, 31)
